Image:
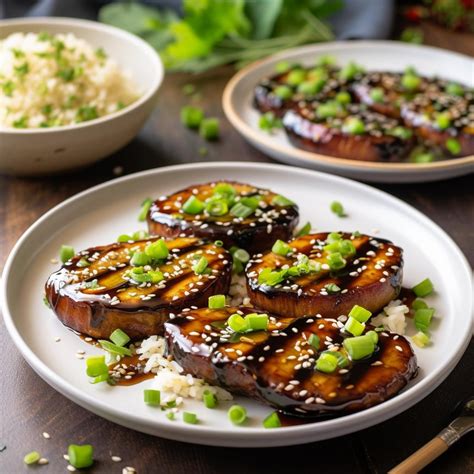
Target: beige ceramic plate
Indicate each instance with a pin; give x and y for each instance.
(373, 55)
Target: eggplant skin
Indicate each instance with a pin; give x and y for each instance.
(370, 280)
(268, 365)
(255, 233)
(118, 304)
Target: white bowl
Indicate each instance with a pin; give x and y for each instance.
(56, 149)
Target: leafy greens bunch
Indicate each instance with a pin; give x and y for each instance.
(215, 32)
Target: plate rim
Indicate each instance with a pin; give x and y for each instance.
(309, 157)
(246, 436)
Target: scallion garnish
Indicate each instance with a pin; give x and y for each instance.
(336, 261)
(377, 94)
(114, 349)
(257, 321)
(200, 266)
(237, 323)
(83, 263)
(193, 206)
(191, 116)
(80, 456)
(354, 327)
(237, 414)
(157, 250)
(139, 259)
(32, 458)
(453, 146)
(218, 243)
(209, 128)
(209, 399)
(241, 210)
(305, 230)
(189, 417)
(216, 301)
(421, 339)
(281, 248)
(170, 415)
(332, 288)
(217, 207)
(353, 126)
(418, 304)
(326, 363)
(225, 191)
(338, 209)
(66, 252)
(423, 318)
(119, 337)
(146, 204)
(281, 201)
(152, 397)
(359, 313)
(272, 421)
(360, 346)
(241, 255)
(269, 121)
(95, 366)
(424, 288)
(283, 92)
(314, 341)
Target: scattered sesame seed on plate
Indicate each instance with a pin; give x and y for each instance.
(46, 435)
(116, 458)
(71, 468)
(43, 461)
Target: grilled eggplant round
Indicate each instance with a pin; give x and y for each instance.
(277, 366)
(371, 278)
(95, 292)
(272, 218)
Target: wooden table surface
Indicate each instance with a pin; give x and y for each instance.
(29, 406)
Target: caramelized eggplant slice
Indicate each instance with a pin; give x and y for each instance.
(351, 132)
(101, 289)
(277, 366)
(371, 277)
(245, 216)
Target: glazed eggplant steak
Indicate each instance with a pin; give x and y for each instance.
(135, 286)
(307, 366)
(237, 214)
(326, 274)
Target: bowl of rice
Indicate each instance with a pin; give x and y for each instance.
(71, 92)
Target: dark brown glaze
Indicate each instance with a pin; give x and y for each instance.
(265, 100)
(327, 136)
(128, 371)
(278, 366)
(371, 278)
(138, 309)
(421, 112)
(255, 233)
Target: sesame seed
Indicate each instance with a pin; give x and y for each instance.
(46, 435)
(116, 458)
(71, 468)
(43, 461)
(66, 457)
(399, 348)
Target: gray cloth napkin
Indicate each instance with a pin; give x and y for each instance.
(359, 19)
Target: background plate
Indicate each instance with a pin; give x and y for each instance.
(99, 215)
(373, 55)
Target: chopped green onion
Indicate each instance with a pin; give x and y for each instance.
(170, 415)
(424, 288)
(139, 259)
(305, 230)
(271, 278)
(272, 421)
(342, 360)
(338, 209)
(353, 126)
(359, 313)
(32, 458)
(377, 94)
(80, 456)
(157, 250)
(189, 89)
(453, 146)
(283, 92)
(295, 77)
(282, 201)
(152, 397)
(373, 335)
(225, 191)
(216, 301)
(241, 210)
(328, 109)
(421, 339)
(242, 255)
(217, 207)
(443, 120)
(326, 60)
(349, 71)
(237, 266)
(119, 337)
(146, 204)
(314, 341)
(346, 248)
(281, 248)
(114, 349)
(191, 116)
(423, 158)
(359, 347)
(190, 418)
(410, 81)
(200, 266)
(336, 261)
(100, 379)
(312, 87)
(454, 89)
(282, 66)
(237, 323)
(343, 98)
(209, 399)
(401, 132)
(83, 263)
(332, 288)
(423, 318)
(193, 205)
(326, 363)
(257, 321)
(95, 366)
(418, 304)
(155, 276)
(218, 243)
(237, 414)
(209, 129)
(354, 327)
(268, 121)
(66, 252)
(46, 301)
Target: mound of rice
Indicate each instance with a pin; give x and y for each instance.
(393, 317)
(169, 375)
(52, 80)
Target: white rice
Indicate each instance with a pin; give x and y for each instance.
(238, 292)
(169, 377)
(51, 80)
(393, 317)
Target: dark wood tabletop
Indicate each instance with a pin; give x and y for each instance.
(30, 407)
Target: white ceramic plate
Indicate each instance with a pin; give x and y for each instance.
(373, 55)
(99, 215)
